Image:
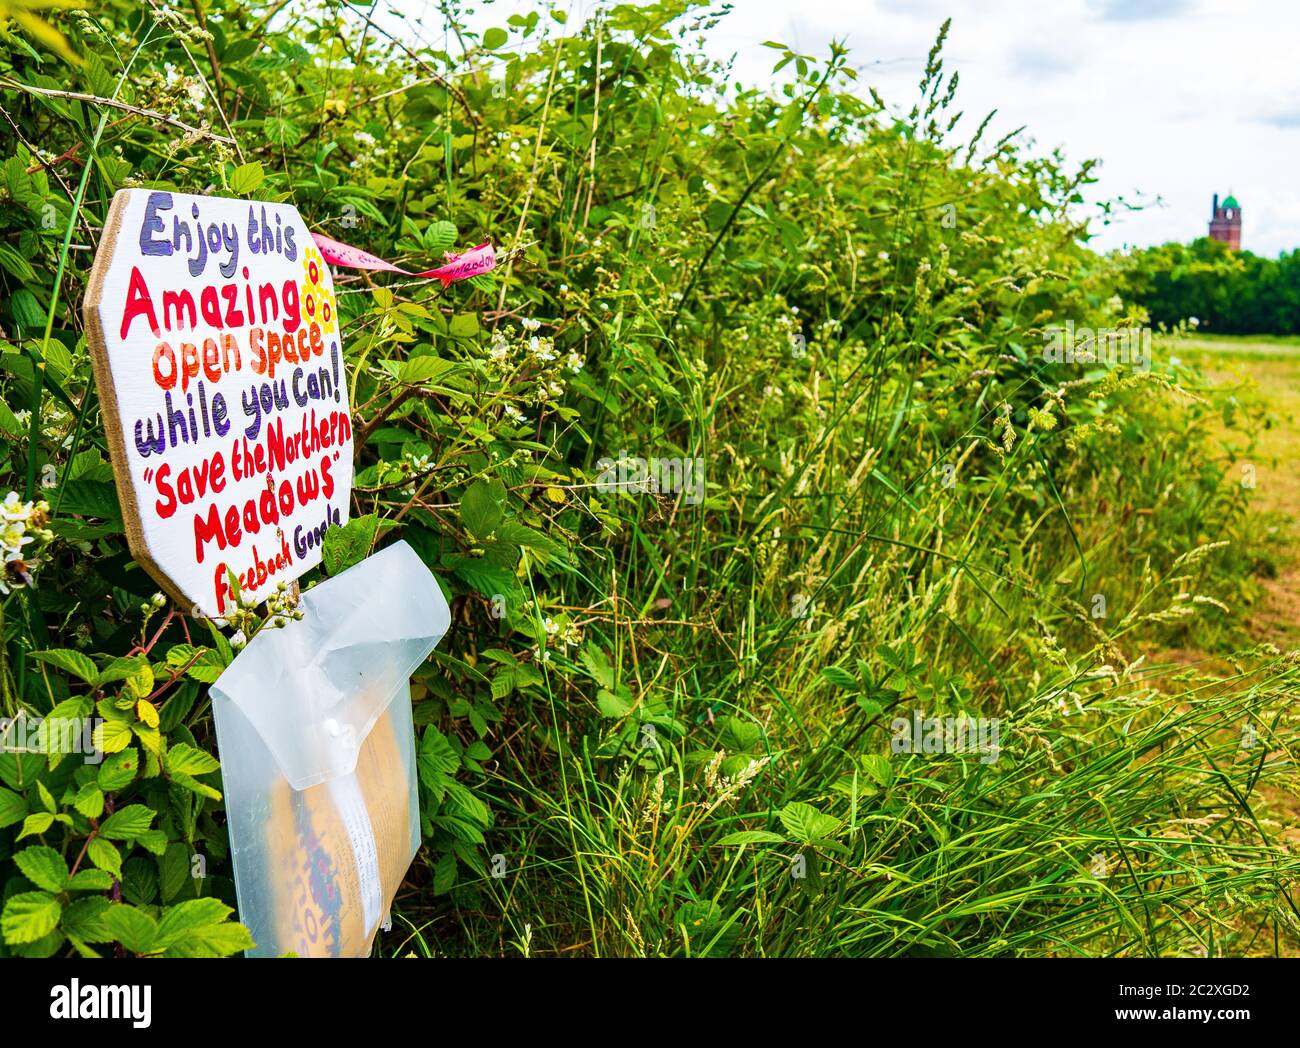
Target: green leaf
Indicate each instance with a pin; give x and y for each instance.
(184, 759)
(740, 736)
(597, 663)
(9, 421)
(521, 535)
(281, 132)
(349, 544)
(18, 769)
(105, 855)
(444, 874)
(44, 867)
(869, 706)
(483, 577)
(112, 735)
(178, 921)
(91, 880)
(212, 940)
(128, 823)
(133, 928)
(140, 683)
(439, 237)
(495, 38)
(437, 762)
(84, 919)
(504, 683)
(45, 946)
(805, 823)
(878, 767)
(425, 368)
(71, 709)
(482, 507)
(247, 178)
(139, 880)
(69, 661)
(189, 782)
(153, 840)
(150, 738)
(12, 807)
(717, 214)
(752, 837)
(180, 654)
(34, 824)
(219, 643)
(89, 801)
(12, 259)
(611, 705)
(210, 665)
(27, 312)
(177, 707)
(82, 949)
(121, 668)
(173, 870)
(91, 498)
(29, 916)
(118, 770)
(463, 325)
(840, 677)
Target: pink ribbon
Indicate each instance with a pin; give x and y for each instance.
(471, 263)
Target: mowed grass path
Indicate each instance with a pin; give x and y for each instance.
(1267, 369)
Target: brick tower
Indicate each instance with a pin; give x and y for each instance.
(1225, 225)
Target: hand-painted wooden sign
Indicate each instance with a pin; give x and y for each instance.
(215, 341)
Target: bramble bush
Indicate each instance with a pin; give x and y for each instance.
(659, 724)
(1209, 286)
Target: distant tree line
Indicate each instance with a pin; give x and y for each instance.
(1230, 292)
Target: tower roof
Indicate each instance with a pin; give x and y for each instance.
(1230, 201)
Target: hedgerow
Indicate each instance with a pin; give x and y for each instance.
(661, 722)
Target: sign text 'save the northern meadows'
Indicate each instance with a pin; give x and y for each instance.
(215, 339)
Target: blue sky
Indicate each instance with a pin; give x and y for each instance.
(1179, 99)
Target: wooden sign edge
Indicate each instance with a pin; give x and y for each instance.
(127, 496)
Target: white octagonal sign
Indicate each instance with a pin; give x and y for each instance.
(215, 341)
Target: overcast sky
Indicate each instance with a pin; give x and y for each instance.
(1179, 99)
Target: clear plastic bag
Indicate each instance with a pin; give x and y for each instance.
(317, 756)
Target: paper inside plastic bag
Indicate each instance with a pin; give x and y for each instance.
(317, 747)
(314, 688)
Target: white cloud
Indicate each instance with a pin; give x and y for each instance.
(1138, 10)
(1034, 63)
(1179, 98)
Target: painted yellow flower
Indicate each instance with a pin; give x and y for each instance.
(318, 292)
